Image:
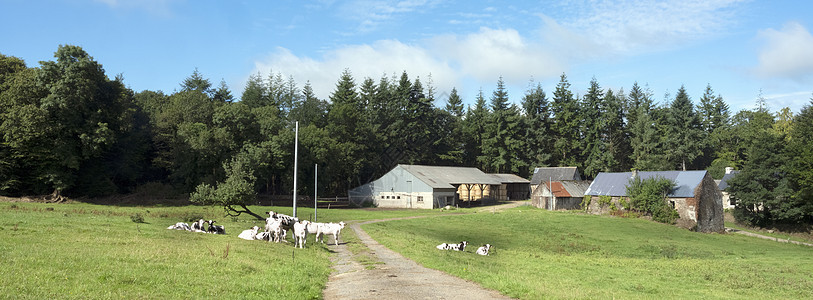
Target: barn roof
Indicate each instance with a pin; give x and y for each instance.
(448, 177)
(509, 178)
(724, 182)
(568, 188)
(555, 174)
(615, 184)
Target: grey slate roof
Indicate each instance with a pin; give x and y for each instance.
(555, 174)
(510, 178)
(724, 182)
(615, 184)
(447, 177)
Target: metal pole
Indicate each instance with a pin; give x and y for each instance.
(315, 182)
(296, 151)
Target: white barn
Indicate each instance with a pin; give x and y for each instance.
(427, 187)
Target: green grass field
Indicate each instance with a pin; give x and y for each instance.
(78, 250)
(82, 250)
(539, 254)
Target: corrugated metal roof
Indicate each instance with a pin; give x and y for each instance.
(510, 178)
(724, 182)
(447, 177)
(615, 184)
(555, 174)
(575, 188)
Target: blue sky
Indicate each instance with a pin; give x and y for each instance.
(739, 47)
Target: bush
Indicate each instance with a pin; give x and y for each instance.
(649, 195)
(137, 218)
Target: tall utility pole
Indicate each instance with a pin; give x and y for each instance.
(296, 151)
(315, 182)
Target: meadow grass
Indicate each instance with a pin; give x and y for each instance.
(79, 250)
(539, 254)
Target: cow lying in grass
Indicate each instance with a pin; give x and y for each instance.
(216, 229)
(456, 247)
(180, 226)
(484, 249)
(249, 234)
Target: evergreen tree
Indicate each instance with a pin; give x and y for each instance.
(643, 130)
(592, 116)
(473, 130)
(683, 132)
(256, 92)
(500, 140)
(196, 82)
(537, 127)
(454, 105)
(615, 133)
(565, 127)
(222, 93)
(800, 165)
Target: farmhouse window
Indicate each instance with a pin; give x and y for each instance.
(420, 198)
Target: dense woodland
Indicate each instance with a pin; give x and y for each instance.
(68, 129)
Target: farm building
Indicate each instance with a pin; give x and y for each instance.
(547, 174)
(415, 186)
(723, 184)
(566, 194)
(513, 187)
(696, 197)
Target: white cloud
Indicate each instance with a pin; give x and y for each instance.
(787, 53)
(636, 26)
(371, 13)
(490, 53)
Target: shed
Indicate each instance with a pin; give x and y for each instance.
(564, 194)
(546, 174)
(416, 186)
(696, 197)
(512, 187)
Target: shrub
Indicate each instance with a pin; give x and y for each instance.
(649, 195)
(137, 218)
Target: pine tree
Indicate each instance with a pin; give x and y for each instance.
(616, 135)
(683, 132)
(537, 122)
(643, 130)
(454, 105)
(473, 130)
(565, 127)
(592, 116)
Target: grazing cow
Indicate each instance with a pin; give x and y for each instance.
(332, 229)
(216, 229)
(249, 234)
(484, 249)
(179, 226)
(456, 247)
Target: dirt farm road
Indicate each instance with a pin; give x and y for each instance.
(396, 277)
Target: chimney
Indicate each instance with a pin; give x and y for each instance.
(728, 170)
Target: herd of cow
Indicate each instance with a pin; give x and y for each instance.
(276, 229)
(277, 226)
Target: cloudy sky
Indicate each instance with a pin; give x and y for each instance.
(740, 48)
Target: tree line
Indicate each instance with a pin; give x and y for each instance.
(68, 129)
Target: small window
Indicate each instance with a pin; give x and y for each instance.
(420, 198)
(672, 203)
(382, 196)
(398, 197)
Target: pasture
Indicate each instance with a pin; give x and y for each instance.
(539, 254)
(79, 250)
(92, 251)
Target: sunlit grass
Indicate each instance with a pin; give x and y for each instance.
(539, 254)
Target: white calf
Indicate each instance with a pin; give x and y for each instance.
(273, 228)
(300, 233)
(330, 228)
(484, 249)
(456, 247)
(179, 226)
(249, 234)
(287, 222)
(314, 228)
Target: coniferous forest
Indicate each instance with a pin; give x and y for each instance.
(68, 129)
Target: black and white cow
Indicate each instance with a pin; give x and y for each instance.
(456, 247)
